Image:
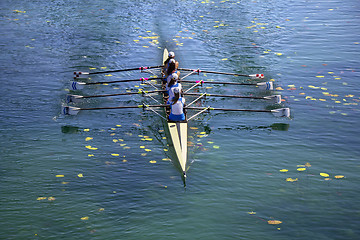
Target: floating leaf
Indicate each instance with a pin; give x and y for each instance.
(291, 179)
(91, 148)
(86, 130)
(115, 154)
(41, 198)
(252, 213)
(339, 176)
(301, 169)
(307, 164)
(80, 175)
(166, 159)
(148, 150)
(274, 222)
(85, 218)
(88, 138)
(60, 175)
(51, 199)
(283, 170)
(152, 161)
(216, 147)
(324, 174)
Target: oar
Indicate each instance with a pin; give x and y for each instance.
(224, 73)
(82, 74)
(77, 98)
(275, 98)
(67, 110)
(80, 85)
(280, 112)
(262, 85)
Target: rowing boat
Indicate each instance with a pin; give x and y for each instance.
(176, 132)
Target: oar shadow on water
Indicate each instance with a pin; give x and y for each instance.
(272, 127)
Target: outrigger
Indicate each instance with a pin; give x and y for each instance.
(177, 131)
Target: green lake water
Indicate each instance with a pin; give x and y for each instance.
(106, 174)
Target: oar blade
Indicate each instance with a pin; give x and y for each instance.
(80, 75)
(281, 112)
(73, 98)
(266, 86)
(77, 85)
(257, 76)
(274, 98)
(67, 110)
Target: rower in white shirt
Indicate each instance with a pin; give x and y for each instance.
(177, 107)
(172, 85)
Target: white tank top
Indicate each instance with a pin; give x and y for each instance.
(178, 107)
(171, 90)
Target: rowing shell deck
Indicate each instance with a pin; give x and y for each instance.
(177, 133)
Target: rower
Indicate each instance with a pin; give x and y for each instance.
(172, 85)
(177, 107)
(172, 68)
(171, 65)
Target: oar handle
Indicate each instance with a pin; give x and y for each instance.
(208, 82)
(221, 95)
(126, 80)
(77, 74)
(227, 109)
(223, 73)
(120, 107)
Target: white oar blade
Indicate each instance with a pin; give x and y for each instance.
(77, 85)
(66, 110)
(257, 76)
(281, 112)
(80, 75)
(266, 86)
(275, 98)
(73, 98)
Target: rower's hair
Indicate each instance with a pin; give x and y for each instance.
(171, 68)
(167, 60)
(176, 97)
(172, 82)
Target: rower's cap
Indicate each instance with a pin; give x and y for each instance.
(172, 60)
(174, 76)
(171, 54)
